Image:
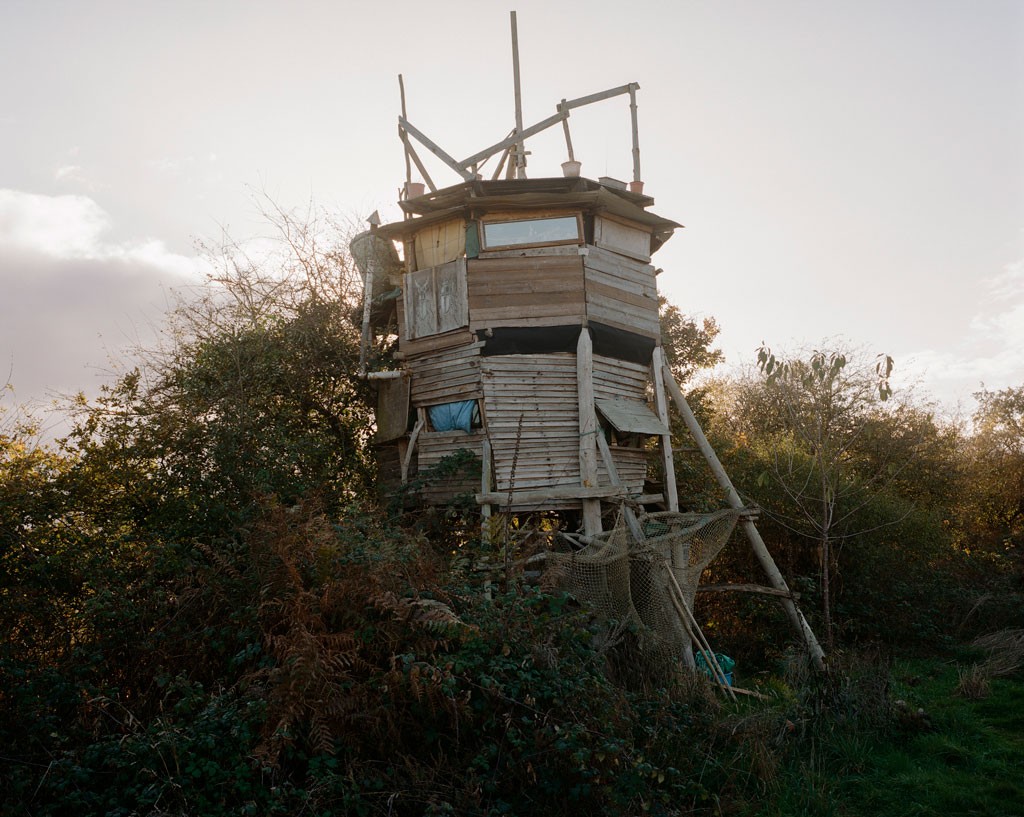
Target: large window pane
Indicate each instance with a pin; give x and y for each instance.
(531, 231)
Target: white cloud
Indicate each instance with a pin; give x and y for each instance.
(991, 352)
(57, 226)
(74, 302)
(73, 227)
(68, 173)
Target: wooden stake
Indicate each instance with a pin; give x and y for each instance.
(696, 633)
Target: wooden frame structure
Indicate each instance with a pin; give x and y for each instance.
(545, 345)
(536, 351)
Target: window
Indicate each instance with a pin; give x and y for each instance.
(535, 231)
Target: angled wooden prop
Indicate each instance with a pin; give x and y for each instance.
(775, 577)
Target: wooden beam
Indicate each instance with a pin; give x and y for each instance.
(434, 148)
(407, 460)
(364, 337)
(565, 127)
(636, 133)
(589, 430)
(599, 96)
(485, 487)
(541, 495)
(520, 163)
(667, 461)
(816, 653)
(516, 139)
(613, 476)
(405, 142)
(415, 157)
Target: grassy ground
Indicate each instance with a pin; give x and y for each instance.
(942, 754)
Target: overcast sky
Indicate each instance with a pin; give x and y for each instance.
(851, 169)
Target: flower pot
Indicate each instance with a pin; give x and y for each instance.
(414, 189)
(636, 187)
(571, 169)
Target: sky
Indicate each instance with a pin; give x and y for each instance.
(844, 170)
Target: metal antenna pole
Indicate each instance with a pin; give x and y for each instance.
(520, 162)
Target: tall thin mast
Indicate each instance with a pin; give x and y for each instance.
(520, 162)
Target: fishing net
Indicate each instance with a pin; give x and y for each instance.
(627, 581)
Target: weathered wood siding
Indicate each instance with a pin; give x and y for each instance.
(621, 292)
(623, 237)
(539, 390)
(620, 378)
(451, 375)
(543, 452)
(631, 465)
(525, 291)
(432, 447)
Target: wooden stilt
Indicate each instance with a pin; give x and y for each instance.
(667, 462)
(588, 430)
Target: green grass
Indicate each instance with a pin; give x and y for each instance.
(962, 757)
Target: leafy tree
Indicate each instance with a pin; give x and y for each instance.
(996, 468)
(687, 343)
(821, 405)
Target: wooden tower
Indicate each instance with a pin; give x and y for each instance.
(526, 313)
(527, 322)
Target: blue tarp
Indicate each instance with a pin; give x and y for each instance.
(452, 416)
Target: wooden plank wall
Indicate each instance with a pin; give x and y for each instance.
(525, 291)
(620, 378)
(631, 464)
(621, 292)
(434, 446)
(448, 376)
(542, 390)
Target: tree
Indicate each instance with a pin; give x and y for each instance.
(996, 465)
(687, 344)
(821, 405)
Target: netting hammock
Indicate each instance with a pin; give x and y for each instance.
(628, 581)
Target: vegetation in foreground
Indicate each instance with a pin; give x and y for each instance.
(208, 610)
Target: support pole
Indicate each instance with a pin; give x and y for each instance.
(667, 461)
(775, 577)
(405, 143)
(485, 488)
(588, 430)
(520, 163)
(568, 136)
(636, 132)
(364, 338)
(407, 459)
(501, 165)
(416, 158)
